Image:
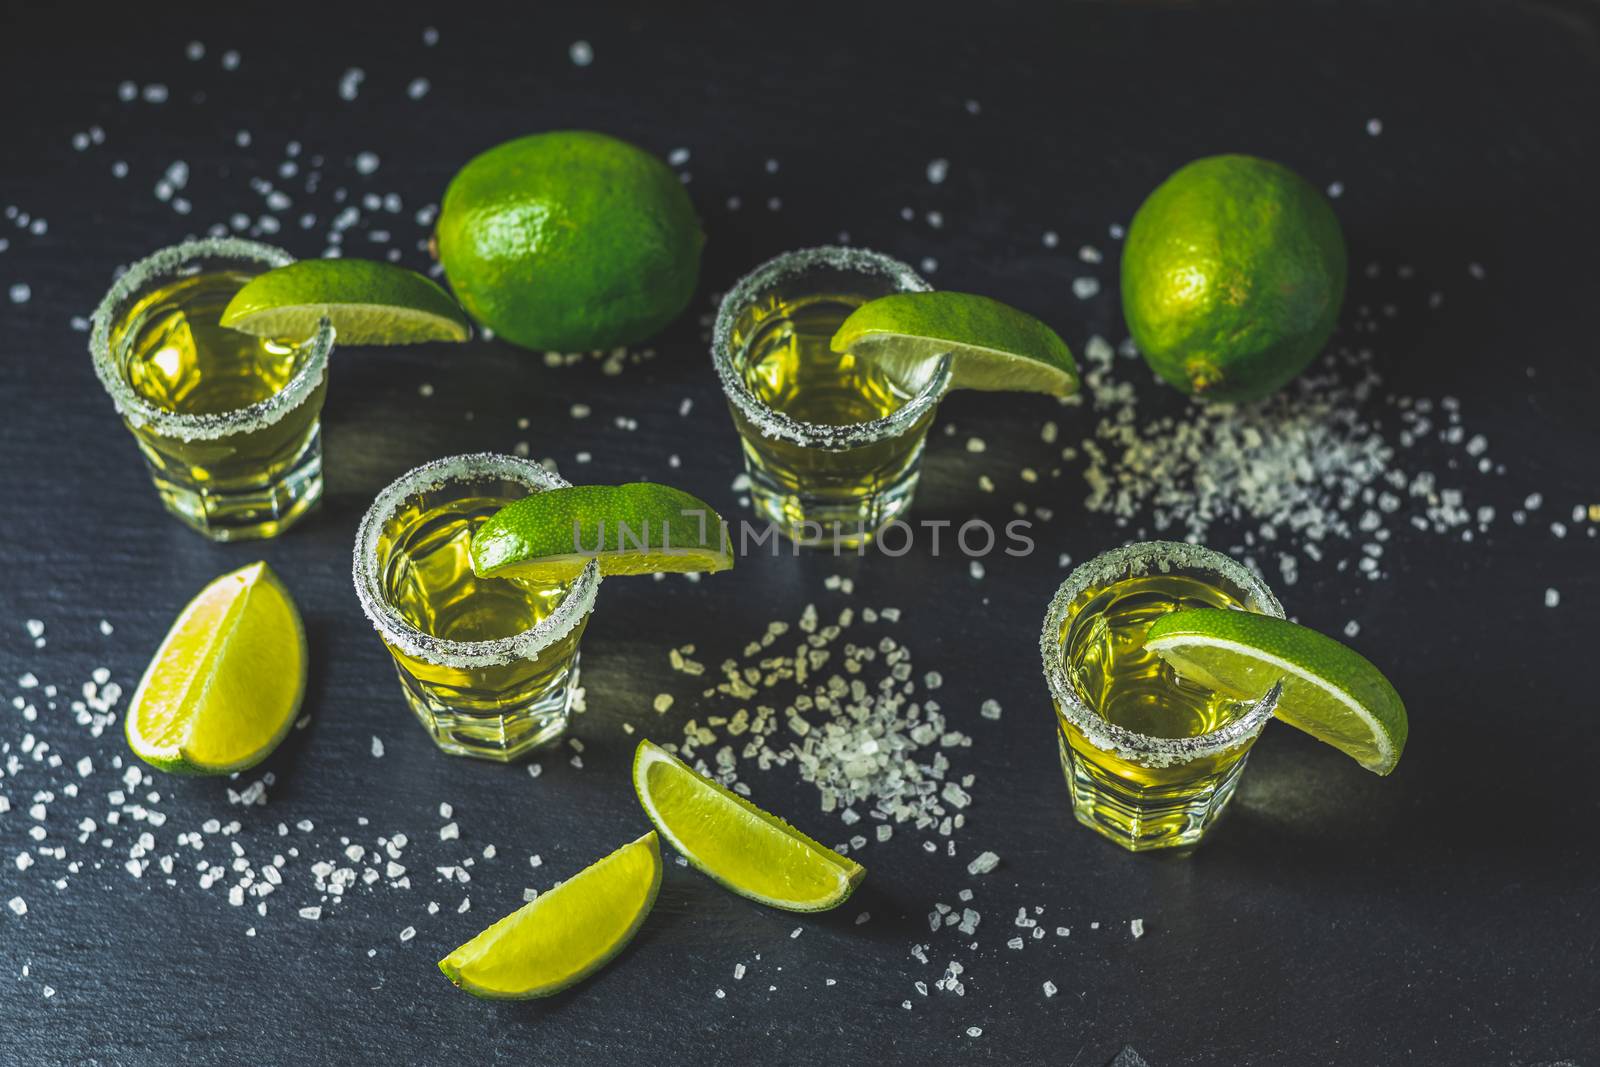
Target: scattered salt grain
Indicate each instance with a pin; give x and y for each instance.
(983, 863)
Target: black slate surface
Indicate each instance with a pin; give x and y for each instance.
(1443, 916)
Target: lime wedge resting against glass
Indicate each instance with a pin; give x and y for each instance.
(637, 528)
(565, 935)
(992, 346)
(369, 303)
(226, 683)
(749, 851)
(1330, 691)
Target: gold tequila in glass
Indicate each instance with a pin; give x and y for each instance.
(228, 423)
(832, 444)
(489, 666)
(1151, 758)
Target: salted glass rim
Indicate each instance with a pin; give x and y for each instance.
(773, 423)
(1138, 558)
(462, 655)
(164, 265)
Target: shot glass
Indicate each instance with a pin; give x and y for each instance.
(1151, 758)
(228, 423)
(832, 444)
(488, 666)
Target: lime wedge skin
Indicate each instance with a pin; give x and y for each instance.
(1330, 691)
(562, 937)
(637, 528)
(368, 303)
(992, 346)
(227, 682)
(746, 850)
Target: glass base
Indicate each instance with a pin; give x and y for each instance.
(502, 734)
(244, 509)
(1142, 819)
(822, 518)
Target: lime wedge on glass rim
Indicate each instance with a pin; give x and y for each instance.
(1330, 691)
(562, 937)
(992, 346)
(369, 303)
(637, 528)
(749, 851)
(225, 685)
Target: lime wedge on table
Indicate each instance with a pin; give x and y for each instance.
(747, 850)
(992, 346)
(564, 936)
(638, 528)
(225, 685)
(368, 303)
(1330, 691)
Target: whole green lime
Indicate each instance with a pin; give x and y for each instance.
(1232, 277)
(569, 240)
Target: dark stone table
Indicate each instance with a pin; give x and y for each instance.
(1445, 915)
